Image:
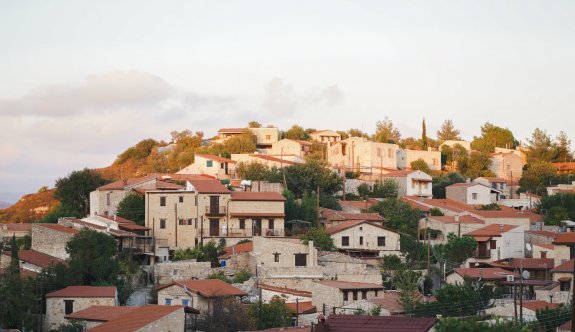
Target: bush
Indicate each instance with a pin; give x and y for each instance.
(221, 276)
(241, 277)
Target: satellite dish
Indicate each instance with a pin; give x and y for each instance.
(528, 246)
(525, 274)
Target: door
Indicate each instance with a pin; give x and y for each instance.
(214, 205)
(257, 227)
(214, 227)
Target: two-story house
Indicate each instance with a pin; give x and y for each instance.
(496, 242)
(286, 146)
(360, 154)
(364, 238)
(469, 193)
(406, 156)
(411, 182)
(264, 136)
(328, 137)
(507, 165)
(335, 293)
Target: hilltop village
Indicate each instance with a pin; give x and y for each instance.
(258, 229)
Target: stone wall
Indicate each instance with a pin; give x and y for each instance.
(55, 308)
(173, 322)
(342, 267)
(49, 241)
(165, 273)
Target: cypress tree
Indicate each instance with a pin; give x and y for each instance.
(423, 135)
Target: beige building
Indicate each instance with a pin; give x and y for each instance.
(489, 275)
(507, 165)
(329, 137)
(215, 166)
(7, 231)
(264, 159)
(299, 149)
(203, 295)
(363, 238)
(264, 136)
(443, 225)
(470, 193)
(71, 299)
(334, 293)
(207, 210)
(51, 239)
(360, 154)
(432, 158)
(412, 182)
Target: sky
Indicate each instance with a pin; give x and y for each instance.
(83, 80)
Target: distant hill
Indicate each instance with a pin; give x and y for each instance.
(4, 205)
(30, 208)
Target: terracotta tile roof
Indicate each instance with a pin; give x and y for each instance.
(524, 263)
(231, 130)
(134, 320)
(16, 227)
(533, 195)
(299, 141)
(489, 273)
(353, 223)
(302, 307)
(237, 249)
(60, 228)
(565, 267)
(465, 219)
(216, 158)
(161, 181)
(256, 196)
(539, 305)
(101, 313)
(466, 184)
(122, 184)
(544, 245)
(359, 216)
(23, 273)
(411, 200)
(116, 218)
(285, 290)
(564, 167)
(391, 301)
(565, 238)
(208, 288)
(209, 187)
(133, 227)
(349, 323)
(270, 158)
(566, 326)
(359, 204)
(494, 179)
(544, 233)
(37, 258)
(348, 285)
(491, 230)
(115, 232)
(85, 291)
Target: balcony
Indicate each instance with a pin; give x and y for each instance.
(482, 254)
(215, 210)
(240, 232)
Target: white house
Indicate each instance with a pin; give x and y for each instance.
(496, 242)
(325, 136)
(432, 158)
(360, 237)
(469, 193)
(411, 182)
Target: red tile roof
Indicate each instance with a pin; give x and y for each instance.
(539, 305)
(465, 219)
(23, 273)
(525, 263)
(237, 249)
(257, 215)
(215, 158)
(565, 238)
(60, 228)
(85, 291)
(412, 200)
(489, 273)
(359, 204)
(494, 179)
(256, 196)
(360, 216)
(16, 227)
(285, 290)
(115, 232)
(564, 167)
(544, 245)
(136, 319)
(350, 224)
(270, 158)
(491, 230)
(37, 258)
(123, 183)
(208, 288)
(565, 267)
(544, 233)
(348, 285)
(399, 174)
(302, 307)
(209, 187)
(101, 313)
(364, 323)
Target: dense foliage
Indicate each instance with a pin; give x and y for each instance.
(73, 191)
(321, 239)
(444, 180)
(276, 313)
(133, 207)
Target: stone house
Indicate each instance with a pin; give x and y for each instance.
(541, 250)
(523, 201)
(51, 239)
(147, 318)
(8, 230)
(264, 136)
(363, 238)
(212, 165)
(443, 225)
(505, 308)
(71, 299)
(488, 275)
(239, 257)
(336, 265)
(277, 161)
(496, 242)
(501, 186)
(406, 156)
(507, 165)
(293, 147)
(288, 294)
(360, 154)
(339, 217)
(30, 260)
(411, 182)
(169, 272)
(470, 193)
(335, 293)
(206, 210)
(563, 276)
(329, 137)
(203, 295)
(347, 322)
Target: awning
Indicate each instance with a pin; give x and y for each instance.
(482, 238)
(564, 279)
(258, 215)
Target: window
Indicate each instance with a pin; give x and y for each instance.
(168, 301)
(162, 223)
(242, 224)
(565, 286)
(163, 201)
(364, 295)
(376, 293)
(381, 241)
(209, 163)
(68, 307)
(271, 224)
(181, 199)
(276, 257)
(186, 302)
(361, 228)
(346, 296)
(345, 241)
(268, 137)
(300, 259)
(222, 165)
(108, 198)
(355, 295)
(175, 272)
(190, 221)
(474, 196)
(543, 254)
(181, 221)
(493, 244)
(361, 240)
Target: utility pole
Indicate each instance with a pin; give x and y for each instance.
(317, 205)
(297, 311)
(572, 303)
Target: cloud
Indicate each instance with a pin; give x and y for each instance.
(282, 98)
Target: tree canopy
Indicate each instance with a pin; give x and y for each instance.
(296, 132)
(133, 207)
(386, 132)
(448, 132)
(421, 165)
(493, 136)
(537, 177)
(444, 180)
(321, 239)
(308, 177)
(73, 191)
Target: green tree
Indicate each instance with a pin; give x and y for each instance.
(476, 165)
(386, 132)
(549, 319)
(308, 208)
(356, 133)
(457, 249)
(448, 132)
(557, 208)
(423, 135)
(308, 177)
(385, 189)
(321, 239)
(436, 212)
(59, 212)
(540, 147)
(442, 181)
(254, 124)
(329, 202)
(241, 276)
(493, 136)
(407, 282)
(421, 165)
(449, 154)
(133, 207)
(296, 132)
(276, 313)
(291, 206)
(563, 150)
(73, 191)
(243, 143)
(253, 171)
(137, 153)
(220, 276)
(450, 324)
(208, 252)
(399, 215)
(537, 177)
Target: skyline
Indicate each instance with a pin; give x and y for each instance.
(80, 86)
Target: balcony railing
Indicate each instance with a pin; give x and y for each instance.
(215, 210)
(240, 232)
(482, 254)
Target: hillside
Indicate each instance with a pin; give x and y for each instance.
(29, 208)
(4, 205)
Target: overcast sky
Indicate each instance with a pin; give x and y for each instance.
(83, 80)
